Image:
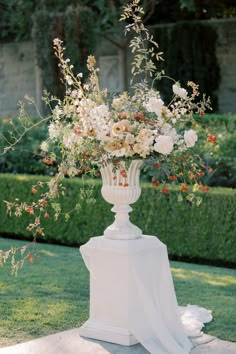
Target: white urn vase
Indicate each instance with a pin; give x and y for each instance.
(120, 187)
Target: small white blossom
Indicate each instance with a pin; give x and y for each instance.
(70, 139)
(44, 146)
(69, 80)
(179, 91)
(54, 131)
(100, 111)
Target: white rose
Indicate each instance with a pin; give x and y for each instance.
(164, 144)
(190, 137)
(179, 91)
(154, 105)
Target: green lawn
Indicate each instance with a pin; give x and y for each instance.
(52, 294)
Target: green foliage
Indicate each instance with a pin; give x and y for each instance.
(25, 158)
(15, 19)
(194, 60)
(195, 233)
(192, 232)
(179, 10)
(222, 158)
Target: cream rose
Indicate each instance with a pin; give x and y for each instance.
(164, 144)
(155, 105)
(120, 127)
(190, 137)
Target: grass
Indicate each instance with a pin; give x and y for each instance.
(52, 294)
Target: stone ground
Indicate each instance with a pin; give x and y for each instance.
(69, 342)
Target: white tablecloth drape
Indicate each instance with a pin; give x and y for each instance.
(154, 318)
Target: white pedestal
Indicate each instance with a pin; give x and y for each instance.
(110, 282)
(132, 298)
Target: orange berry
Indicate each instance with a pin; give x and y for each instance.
(164, 190)
(211, 138)
(39, 230)
(184, 188)
(155, 183)
(30, 210)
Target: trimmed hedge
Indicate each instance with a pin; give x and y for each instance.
(205, 233)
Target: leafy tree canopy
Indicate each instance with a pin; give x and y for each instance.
(16, 15)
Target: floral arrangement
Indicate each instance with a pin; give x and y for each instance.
(89, 127)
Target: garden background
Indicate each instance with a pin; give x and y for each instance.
(207, 31)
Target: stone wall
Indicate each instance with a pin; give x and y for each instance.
(19, 75)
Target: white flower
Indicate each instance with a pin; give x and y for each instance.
(57, 41)
(100, 111)
(54, 131)
(130, 139)
(190, 137)
(179, 91)
(141, 150)
(70, 139)
(164, 144)
(44, 146)
(69, 80)
(121, 127)
(103, 131)
(155, 105)
(167, 129)
(57, 112)
(119, 153)
(145, 136)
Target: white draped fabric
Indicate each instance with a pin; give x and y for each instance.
(154, 317)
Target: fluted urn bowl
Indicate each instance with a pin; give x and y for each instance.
(120, 187)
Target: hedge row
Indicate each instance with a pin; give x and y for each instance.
(205, 233)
